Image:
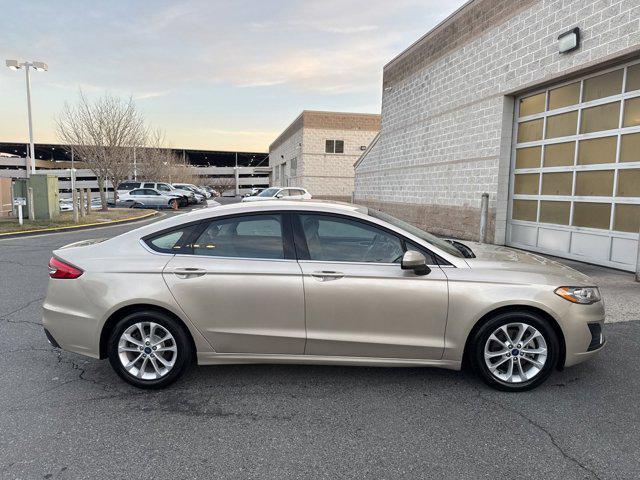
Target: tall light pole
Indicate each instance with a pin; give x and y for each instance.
(39, 66)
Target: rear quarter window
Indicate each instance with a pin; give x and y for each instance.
(172, 241)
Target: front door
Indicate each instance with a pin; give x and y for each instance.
(359, 302)
(242, 287)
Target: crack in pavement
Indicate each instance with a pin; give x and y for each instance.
(532, 422)
(5, 317)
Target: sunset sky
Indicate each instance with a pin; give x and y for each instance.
(219, 75)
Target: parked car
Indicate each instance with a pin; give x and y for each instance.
(212, 191)
(66, 204)
(205, 191)
(185, 197)
(321, 283)
(200, 197)
(254, 192)
(289, 193)
(126, 187)
(148, 197)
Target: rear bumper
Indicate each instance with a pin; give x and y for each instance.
(70, 330)
(50, 338)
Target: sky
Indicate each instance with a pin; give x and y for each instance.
(212, 74)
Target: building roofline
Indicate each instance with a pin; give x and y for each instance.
(430, 33)
(301, 119)
(366, 152)
(469, 22)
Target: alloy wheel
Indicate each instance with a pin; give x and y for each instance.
(147, 350)
(515, 352)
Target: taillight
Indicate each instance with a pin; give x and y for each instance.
(59, 269)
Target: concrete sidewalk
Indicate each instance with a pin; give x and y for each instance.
(621, 293)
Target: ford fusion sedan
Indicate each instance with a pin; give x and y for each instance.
(316, 283)
(276, 193)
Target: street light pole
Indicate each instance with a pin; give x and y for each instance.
(31, 146)
(40, 66)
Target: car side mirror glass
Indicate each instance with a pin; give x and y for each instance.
(412, 260)
(280, 195)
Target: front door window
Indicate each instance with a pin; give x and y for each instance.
(336, 239)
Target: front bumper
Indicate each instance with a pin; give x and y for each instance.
(584, 334)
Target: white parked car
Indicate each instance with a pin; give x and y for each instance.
(288, 193)
(185, 197)
(66, 204)
(147, 197)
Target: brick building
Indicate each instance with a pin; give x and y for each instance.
(318, 150)
(493, 100)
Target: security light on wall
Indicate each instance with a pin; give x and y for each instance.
(569, 41)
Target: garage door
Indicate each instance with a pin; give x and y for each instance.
(575, 169)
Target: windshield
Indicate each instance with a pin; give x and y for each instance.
(269, 192)
(426, 236)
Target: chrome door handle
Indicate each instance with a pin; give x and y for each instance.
(325, 275)
(188, 272)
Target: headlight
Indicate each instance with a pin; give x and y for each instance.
(583, 295)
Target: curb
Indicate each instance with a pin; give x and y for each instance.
(86, 226)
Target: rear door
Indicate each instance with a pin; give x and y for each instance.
(153, 198)
(358, 300)
(241, 284)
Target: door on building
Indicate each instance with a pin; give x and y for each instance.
(358, 300)
(575, 169)
(248, 257)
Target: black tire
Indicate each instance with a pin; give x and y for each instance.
(184, 355)
(482, 335)
(173, 204)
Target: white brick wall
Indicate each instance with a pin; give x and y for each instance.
(283, 154)
(321, 173)
(445, 136)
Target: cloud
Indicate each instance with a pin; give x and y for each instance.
(202, 62)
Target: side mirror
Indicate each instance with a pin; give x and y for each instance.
(412, 260)
(280, 195)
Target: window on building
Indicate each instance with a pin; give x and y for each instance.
(334, 146)
(293, 169)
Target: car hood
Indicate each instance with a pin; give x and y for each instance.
(497, 257)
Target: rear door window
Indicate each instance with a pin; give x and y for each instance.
(247, 236)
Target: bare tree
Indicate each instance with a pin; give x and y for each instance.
(221, 184)
(158, 162)
(104, 134)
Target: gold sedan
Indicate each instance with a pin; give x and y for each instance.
(319, 283)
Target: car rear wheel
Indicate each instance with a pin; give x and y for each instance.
(149, 349)
(515, 351)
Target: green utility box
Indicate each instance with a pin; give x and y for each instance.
(46, 202)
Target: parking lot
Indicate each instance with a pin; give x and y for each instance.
(67, 416)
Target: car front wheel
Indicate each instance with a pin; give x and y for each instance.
(515, 351)
(149, 349)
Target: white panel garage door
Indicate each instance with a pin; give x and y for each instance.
(575, 169)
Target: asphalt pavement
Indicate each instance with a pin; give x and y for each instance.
(66, 416)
